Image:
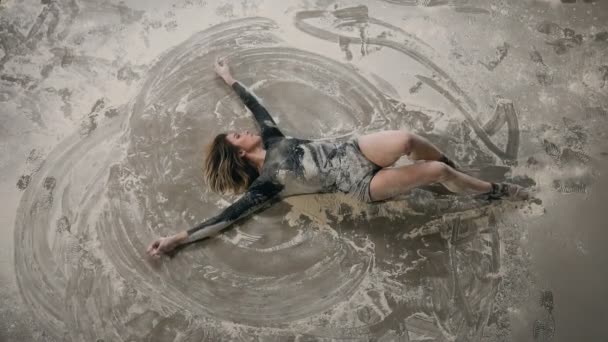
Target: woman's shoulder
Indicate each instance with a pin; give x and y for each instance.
(284, 142)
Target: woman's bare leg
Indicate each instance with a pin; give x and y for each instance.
(390, 182)
(386, 147)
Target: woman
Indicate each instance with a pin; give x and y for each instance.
(271, 166)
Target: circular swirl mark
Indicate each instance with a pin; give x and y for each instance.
(134, 179)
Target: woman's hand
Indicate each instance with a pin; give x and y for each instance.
(223, 70)
(164, 245)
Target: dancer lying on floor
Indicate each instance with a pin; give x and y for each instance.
(270, 166)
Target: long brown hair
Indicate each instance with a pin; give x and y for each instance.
(225, 171)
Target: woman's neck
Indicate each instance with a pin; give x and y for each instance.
(256, 158)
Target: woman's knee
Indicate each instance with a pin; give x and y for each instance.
(438, 171)
(407, 140)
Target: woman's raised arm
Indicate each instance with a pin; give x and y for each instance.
(268, 126)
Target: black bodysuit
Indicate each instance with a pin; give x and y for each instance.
(293, 167)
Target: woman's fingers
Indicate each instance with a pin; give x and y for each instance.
(221, 65)
(161, 246)
(153, 247)
(150, 247)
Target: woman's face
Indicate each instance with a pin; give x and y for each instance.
(244, 140)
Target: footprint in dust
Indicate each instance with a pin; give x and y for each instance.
(551, 149)
(571, 185)
(566, 155)
(544, 75)
(49, 183)
(561, 38)
(416, 87)
(501, 54)
(544, 329)
(546, 300)
(597, 113)
(24, 182)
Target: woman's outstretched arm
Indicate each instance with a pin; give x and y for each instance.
(259, 195)
(267, 124)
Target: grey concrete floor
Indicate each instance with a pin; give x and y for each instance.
(106, 107)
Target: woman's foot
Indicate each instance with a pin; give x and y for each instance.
(508, 191)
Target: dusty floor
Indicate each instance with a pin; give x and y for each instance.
(106, 107)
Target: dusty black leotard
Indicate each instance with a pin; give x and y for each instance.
(292, 167)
